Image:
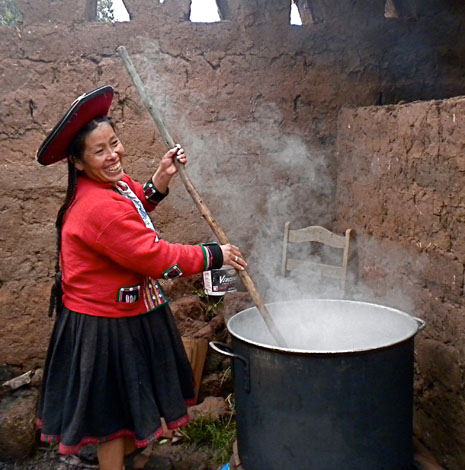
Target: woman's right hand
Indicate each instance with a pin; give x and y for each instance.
(232, 257)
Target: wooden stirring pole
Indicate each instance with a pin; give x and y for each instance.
(201, 206)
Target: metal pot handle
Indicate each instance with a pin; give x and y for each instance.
(225, 350)
(421, 323)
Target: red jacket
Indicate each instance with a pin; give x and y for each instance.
(108, 254)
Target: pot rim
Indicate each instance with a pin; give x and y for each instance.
(419, 323)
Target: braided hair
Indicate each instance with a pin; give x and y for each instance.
(75, 152)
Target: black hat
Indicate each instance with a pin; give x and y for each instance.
(85, 108)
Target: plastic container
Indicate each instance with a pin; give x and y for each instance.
(220, 281)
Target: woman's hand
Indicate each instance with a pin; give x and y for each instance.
(167, 163)
(167, 168)
(232, 257)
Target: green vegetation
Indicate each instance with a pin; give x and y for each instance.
(105, 12)
(217, 435)
(211, 303)
(9, 14)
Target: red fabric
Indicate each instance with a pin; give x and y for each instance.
(106, 246)
(85, 108)
(64, 449)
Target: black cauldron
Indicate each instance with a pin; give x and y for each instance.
(338, 398)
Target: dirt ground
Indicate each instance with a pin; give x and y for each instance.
(167, 457)
(162, 457)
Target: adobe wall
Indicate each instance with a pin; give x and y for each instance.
(401, 187)
(253, 100)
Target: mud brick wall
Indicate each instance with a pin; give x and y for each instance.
(401, 187)
(253, 100)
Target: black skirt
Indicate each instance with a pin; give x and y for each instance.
(106, 378)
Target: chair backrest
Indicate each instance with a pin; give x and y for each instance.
(323, 236)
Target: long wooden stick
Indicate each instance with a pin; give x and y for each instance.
(201, 206)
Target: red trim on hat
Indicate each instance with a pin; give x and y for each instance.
(85, 108)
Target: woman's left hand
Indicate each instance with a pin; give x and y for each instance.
(232, 256)
(167, 163)
(167, 168)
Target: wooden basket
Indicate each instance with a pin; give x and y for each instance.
(196, 350)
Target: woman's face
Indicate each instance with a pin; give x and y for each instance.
(103, 155)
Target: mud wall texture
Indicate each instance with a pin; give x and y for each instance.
(410, 162)
(253, 99)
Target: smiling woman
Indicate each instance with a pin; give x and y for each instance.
(116, 363)
(103, 152)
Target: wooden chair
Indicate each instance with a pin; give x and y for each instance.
(323, 236)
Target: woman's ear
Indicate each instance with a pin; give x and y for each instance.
(76, 162)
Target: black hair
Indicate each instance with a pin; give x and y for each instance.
(76, 147)
(75, 151)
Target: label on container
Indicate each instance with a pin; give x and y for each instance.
(220, 281)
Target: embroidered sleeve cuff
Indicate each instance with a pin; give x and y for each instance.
(152, 194)
(173, 272)
(212, 255)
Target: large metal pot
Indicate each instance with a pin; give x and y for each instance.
(338, 398)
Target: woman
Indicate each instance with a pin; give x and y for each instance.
(116, 363)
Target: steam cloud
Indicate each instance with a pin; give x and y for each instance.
(255, 177)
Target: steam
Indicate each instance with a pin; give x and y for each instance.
(259, 180)
(255, 176)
